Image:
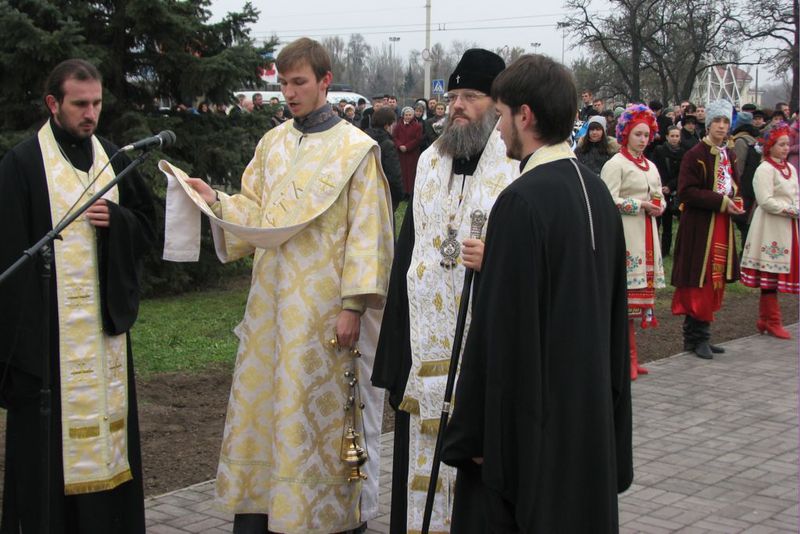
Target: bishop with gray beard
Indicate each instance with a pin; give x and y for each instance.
(467, 141)
(464, 170)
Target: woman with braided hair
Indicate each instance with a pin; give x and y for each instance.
(635, 186)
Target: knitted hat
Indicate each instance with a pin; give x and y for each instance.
(619, 110)
(744, 117)
(633, 115)
(476, 70)
(598, 119)
(719, 109)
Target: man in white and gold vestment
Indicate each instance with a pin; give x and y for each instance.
(464, 170)
(317, 180)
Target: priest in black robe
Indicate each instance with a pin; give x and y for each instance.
(541, 427)
(124, 233)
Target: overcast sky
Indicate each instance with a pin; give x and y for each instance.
(491, 24)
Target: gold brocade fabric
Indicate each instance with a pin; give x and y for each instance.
(433, 299)
(93, 366)
(283, 432)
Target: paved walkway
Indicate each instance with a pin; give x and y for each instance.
(715, 450)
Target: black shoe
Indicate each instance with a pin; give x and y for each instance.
(702, 350)
(716, 349)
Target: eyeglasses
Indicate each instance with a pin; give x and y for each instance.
(467, 96)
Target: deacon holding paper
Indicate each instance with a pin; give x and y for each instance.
(95, 474)
(293, 460)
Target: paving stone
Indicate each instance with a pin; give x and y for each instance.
(715, 450)
(164, 529)
(205, 524)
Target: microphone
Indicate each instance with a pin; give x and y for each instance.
(163, 139)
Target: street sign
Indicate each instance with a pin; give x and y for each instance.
(438, 87)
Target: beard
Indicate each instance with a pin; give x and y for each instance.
(73, 129)
(514, 146)
(465, 140)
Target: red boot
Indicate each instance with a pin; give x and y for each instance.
(636, 369)
(769, 316)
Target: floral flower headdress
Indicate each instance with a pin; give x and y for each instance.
(633, 115)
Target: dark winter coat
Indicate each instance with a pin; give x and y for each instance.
(668, 162)
(699, 204)
(410, 136)
(390, 162)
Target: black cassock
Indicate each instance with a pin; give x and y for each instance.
(25, 218)
(544, 389)
(393, 364)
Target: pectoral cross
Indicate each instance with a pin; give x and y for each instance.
(458, 79)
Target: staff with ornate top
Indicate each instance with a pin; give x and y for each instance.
(464, 170)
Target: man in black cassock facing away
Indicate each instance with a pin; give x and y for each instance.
(541, 427)
(95, 476)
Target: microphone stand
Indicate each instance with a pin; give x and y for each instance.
(478, 218)
(44, 250)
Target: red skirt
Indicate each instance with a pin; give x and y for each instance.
(702, 302)
(642, 301)
(783, 282)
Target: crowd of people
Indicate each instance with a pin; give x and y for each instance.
(540, 435)
(653, 174)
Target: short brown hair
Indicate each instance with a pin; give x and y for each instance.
(305, 50)
(77, 69)
(383, 117)
(545, 86)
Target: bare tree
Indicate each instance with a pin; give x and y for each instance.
(693, 36)
(767, 21)
(383, 70)
(659, 47)
(620, 36)
(335, 47)
(510, 55)
(356, 60)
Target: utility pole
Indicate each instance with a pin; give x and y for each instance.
(426, 58)
(563, 27)
(394, 70)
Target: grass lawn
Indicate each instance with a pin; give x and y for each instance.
(193, 331)
(188, 332)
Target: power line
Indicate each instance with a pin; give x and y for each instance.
(317, 13)
(410, 28)
(441, 29)
(345, 28)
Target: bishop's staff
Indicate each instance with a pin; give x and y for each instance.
(477, 220)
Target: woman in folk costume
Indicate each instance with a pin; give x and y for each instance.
(635, 186)
(770, 256)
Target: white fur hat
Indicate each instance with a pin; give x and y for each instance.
(718, 109)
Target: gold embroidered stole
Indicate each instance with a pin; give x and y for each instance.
(297, 191)
(433, 291)
(93, 366)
